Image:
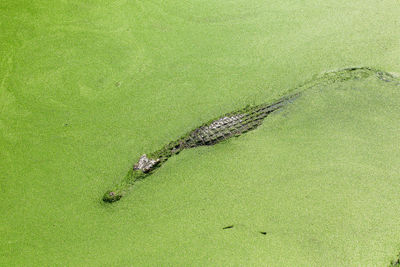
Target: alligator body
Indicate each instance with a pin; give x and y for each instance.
(231, 125)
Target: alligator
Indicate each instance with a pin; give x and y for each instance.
(234, 124)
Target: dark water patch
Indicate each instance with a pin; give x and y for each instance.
(396, 262)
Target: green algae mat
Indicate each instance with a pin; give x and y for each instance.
(87, 87)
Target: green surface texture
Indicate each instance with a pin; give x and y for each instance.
(86, 87)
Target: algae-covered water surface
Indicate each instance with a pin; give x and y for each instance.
(87, 87)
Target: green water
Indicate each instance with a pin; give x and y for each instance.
(87, 87)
